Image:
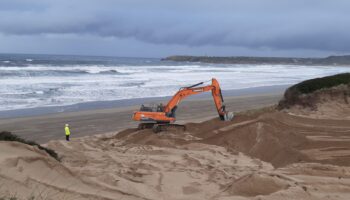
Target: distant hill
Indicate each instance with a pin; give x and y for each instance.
(331, 60)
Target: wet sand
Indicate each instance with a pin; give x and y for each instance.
(47, 127)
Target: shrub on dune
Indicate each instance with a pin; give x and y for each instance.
(8, 136)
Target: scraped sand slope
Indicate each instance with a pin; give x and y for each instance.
(264, 154)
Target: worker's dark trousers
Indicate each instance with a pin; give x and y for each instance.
(67, 137)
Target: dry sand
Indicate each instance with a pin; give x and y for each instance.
(262, 154)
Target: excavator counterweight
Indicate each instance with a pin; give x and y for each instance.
(160, 117)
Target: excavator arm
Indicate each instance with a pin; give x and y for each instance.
(166, 114)
(219, 100)
(192, 90)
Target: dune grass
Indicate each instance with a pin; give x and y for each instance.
(312, 85)
(8, 136)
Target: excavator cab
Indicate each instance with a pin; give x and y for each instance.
(153, 113)
(152, 108)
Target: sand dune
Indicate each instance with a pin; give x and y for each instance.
(331, 103)
(257, 155)
(28, 172)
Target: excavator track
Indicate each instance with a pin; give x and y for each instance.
(145, 126)
(156, 128)
(165, 127)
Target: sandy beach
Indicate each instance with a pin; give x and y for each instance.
(83, 123)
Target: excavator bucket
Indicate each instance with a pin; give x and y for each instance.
(228, 116)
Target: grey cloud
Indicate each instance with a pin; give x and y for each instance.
(282, 24)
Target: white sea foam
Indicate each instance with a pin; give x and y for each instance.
(49, 85)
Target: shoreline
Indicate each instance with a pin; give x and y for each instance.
(97, 105)
(343, 60)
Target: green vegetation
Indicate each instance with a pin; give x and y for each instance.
(15, 198)
(312, 85)
(8, 136)
(292, 96)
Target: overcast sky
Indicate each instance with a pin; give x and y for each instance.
(158, 28)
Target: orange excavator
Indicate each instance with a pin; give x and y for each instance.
(161, 117)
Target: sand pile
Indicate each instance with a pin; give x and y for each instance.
(263, 154)
(29, 173)
(269, 135)
(188, 171)
(259, 184)
(205, 162)
(260, 136)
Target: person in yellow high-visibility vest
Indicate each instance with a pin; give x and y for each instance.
(66, 129)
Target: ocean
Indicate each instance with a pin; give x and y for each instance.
(31, 81)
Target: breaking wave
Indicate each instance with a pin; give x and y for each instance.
(6, 72)
(53, 80)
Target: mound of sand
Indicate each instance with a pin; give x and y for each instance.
(205, 162)
(188, 171)
(331, 103)
(29, 173)
(272, 136)
(259, 184)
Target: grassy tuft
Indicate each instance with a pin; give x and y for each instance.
(312, 85)
(8, 136)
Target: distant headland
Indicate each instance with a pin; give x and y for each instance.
(330, 60)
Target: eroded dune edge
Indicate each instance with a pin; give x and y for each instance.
(295, 153)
